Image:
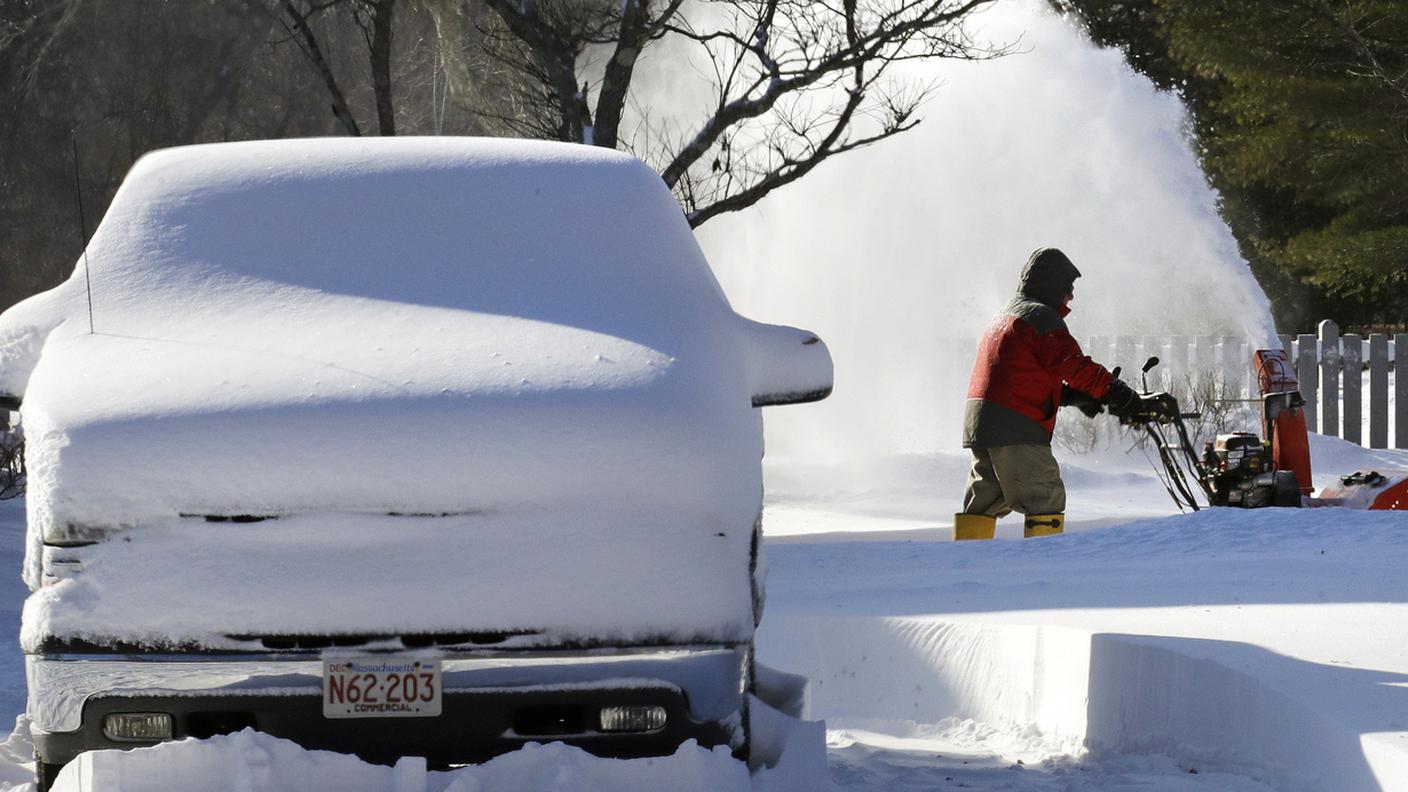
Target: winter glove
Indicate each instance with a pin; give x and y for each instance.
(1070, 397)
(1121, 398)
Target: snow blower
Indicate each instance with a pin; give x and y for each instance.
(1240, 469)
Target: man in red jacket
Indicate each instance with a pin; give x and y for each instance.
(1028, 365)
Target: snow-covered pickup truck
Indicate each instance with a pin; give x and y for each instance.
(421, 447)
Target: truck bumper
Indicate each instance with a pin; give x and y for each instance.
(493, 702)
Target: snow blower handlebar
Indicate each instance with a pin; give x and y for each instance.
(1160, 408)
(1182, 471)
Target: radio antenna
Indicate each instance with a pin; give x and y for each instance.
(83, 231)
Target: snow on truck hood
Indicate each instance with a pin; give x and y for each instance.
(426, 326)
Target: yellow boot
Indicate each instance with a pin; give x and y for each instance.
(973, 526)
(1043, 525)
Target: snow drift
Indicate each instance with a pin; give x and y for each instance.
(1265, 642)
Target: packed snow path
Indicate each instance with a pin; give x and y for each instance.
(1228, 650)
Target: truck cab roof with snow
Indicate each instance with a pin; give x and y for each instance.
(433, 338)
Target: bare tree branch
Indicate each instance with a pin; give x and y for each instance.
(894, 29)
(296, 22)
(794, 82)
(555, 54)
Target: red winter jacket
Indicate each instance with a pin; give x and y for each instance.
(1024, 356)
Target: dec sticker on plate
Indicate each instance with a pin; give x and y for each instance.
(381, 687)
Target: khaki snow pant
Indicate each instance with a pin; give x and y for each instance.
(1022, 478)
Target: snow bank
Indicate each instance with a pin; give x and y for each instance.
(1035, 691)
(892, 670)
(252, 762)
(790, 754)
(17, 758)
(1269, 643)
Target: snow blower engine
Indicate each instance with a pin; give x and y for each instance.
(1240, 472)
(1236, 469)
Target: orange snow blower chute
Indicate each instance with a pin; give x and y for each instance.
(1283, 423)
(1283, 415)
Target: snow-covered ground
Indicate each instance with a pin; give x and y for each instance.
(1260, 649)
(1226, 650)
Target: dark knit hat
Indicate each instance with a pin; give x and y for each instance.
(1048, 277)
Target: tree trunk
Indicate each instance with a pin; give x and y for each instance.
(616, 80)
(314, 52)
(381, 13)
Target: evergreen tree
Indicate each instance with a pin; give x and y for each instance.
(1317, 95)
(1301, 111)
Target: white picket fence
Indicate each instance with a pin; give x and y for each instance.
(1350, 383)
(1339, 375)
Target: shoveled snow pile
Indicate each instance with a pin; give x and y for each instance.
(252, 761)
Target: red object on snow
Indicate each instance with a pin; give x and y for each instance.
(1394, 496)
(1369, 490)
(1290, 444)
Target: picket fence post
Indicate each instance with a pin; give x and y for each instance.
(1352, 369)
(1177, 358)
(1124, 358)
(1203, 360)
(1099, 351)
(1378, 390)
(1227, 364)
(1329, 378)
(1308, 376)
(1400, 390)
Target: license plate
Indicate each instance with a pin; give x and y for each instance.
(381, 687)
